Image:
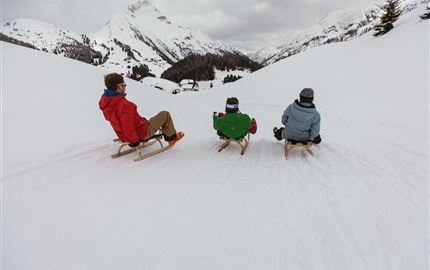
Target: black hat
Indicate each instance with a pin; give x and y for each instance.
(307, 95)
(232, 105)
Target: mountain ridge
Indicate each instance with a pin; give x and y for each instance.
(139, 34)
(337, 26)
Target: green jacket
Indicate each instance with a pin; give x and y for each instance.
(232, 125)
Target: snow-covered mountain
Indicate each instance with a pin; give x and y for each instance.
(262, 54)
(338, 26)
(140, 34)
(362, 201)
(49, 38)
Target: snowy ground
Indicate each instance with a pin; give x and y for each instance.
(170, 87)
(219, 78)
(361, 203)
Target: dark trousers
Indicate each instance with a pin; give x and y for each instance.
(278, 135)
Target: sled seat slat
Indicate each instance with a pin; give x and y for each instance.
(143, 144)
(242, 142)
(291, 144)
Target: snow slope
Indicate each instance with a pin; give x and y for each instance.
(337, 26)
(361, 203)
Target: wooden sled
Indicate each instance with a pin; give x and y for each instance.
(144, 144)
(288, 145)
(242, 142)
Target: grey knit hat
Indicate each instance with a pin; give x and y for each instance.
(307, 94)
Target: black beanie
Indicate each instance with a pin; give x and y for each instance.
(232, 105)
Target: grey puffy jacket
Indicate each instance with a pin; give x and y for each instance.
(301, 121)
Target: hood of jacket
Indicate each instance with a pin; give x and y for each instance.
(109, 100)
(303, 111)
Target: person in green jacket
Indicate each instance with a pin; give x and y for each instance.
(233, 124)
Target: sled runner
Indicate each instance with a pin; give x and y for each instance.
(291, 144)
(242, 142)
(144, 144)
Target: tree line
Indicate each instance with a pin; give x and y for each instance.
(231, 78)
(202, 67)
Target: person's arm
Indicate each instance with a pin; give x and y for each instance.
(214, 118)
(253, 126)
(315, 126)
(126, 117)
(217, 124)
(285, 116)
(244, 123)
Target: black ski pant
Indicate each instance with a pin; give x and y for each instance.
(278, 135)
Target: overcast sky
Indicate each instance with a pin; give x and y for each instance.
(244, 23)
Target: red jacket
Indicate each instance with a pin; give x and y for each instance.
(122, 114)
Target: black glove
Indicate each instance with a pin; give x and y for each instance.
(136, 144)
(316, 140)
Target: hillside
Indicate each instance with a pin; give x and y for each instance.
(360, 203)
(337, 26)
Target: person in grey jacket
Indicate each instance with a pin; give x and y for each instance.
(301, 120)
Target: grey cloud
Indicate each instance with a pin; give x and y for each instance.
(246, 21)
(253, 17)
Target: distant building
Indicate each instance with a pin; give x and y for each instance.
(189, 85)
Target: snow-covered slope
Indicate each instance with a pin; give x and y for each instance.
(337, 26)
(360, 203)
(49, 38)
(39, 34)
(140, 34)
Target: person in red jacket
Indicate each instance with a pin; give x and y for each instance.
(128, 125)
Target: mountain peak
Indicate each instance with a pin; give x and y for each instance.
(142, 4)
(22, 23)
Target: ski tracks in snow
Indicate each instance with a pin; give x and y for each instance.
(259, 208)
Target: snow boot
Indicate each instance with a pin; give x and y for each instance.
(179, 135)
(277, 133)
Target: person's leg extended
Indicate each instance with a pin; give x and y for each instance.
(162, 121)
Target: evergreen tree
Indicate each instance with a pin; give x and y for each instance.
(426, 16)
(202, 67)
(391, 13)
(231, 78)
(140, 72)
